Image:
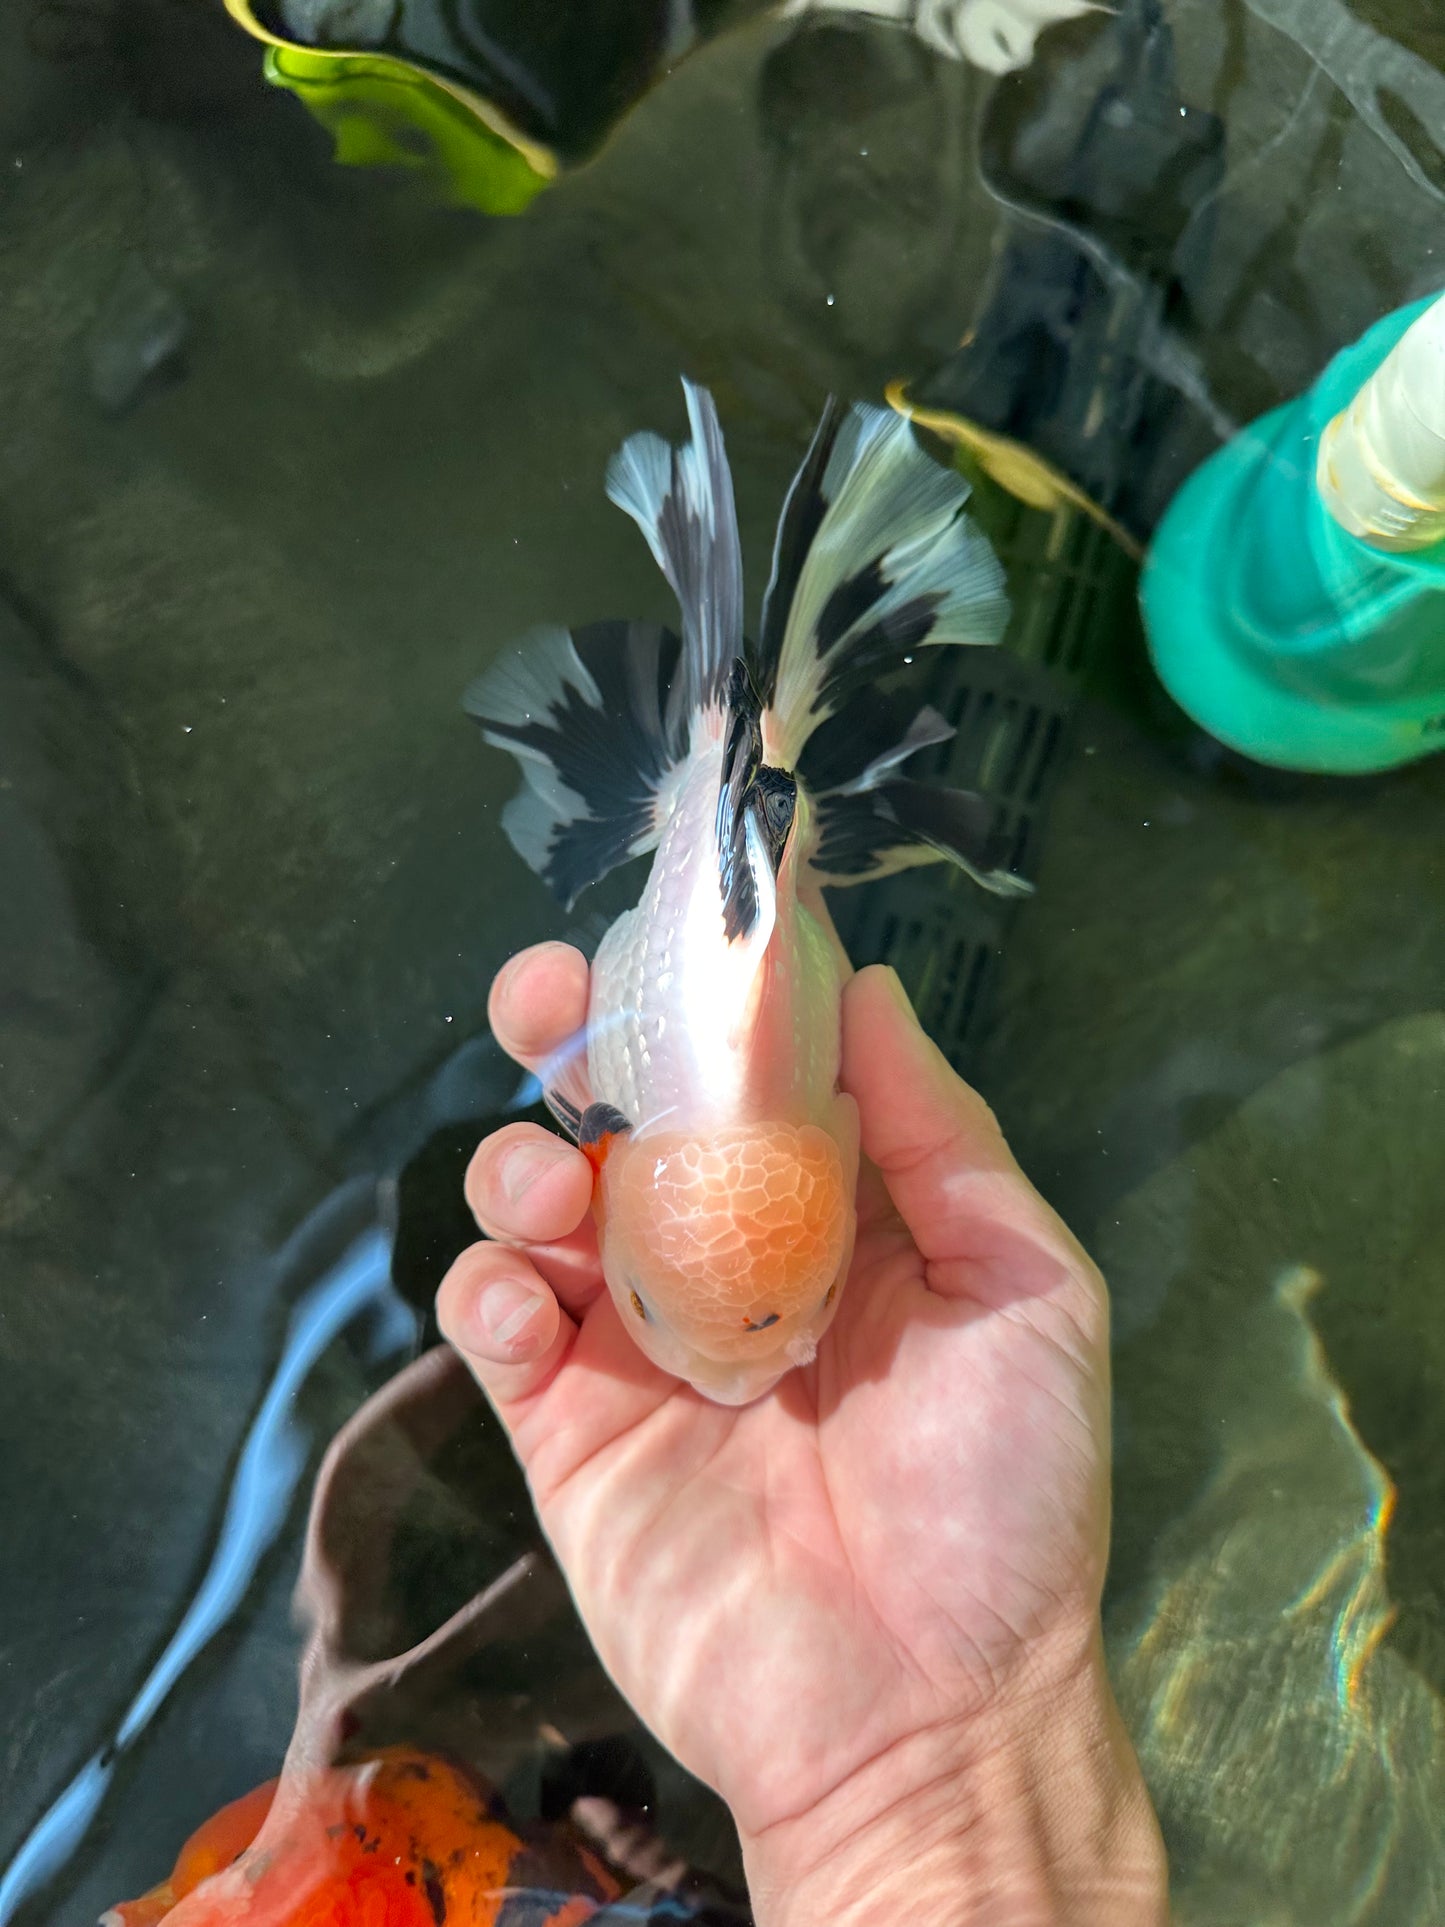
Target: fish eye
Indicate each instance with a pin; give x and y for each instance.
(637, 1304)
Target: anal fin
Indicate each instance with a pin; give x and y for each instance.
(566, 1086)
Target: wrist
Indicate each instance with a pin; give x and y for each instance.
(1037, 1817)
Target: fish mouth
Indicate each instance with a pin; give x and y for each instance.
(731, 1383)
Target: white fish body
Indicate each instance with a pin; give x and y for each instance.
(723, 1056)
(726, 1155)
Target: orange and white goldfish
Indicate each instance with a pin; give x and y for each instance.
(706, 1089)
(401, 1839)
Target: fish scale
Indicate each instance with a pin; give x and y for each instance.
(637, 1018)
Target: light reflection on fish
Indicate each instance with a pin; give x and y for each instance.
(706, 1090)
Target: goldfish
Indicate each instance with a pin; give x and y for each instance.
(705, 1086)
(402, 1838)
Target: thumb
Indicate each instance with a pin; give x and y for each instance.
(936, 1143)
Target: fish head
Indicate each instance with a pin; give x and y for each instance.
(726, 1253)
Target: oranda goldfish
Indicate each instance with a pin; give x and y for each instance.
(706, 1092)
(402, 1839)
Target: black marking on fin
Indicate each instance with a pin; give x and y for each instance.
(601, 1121)
(872, 648)
(585, 715)
(742, 759)
(868, 834)
(803, 510)
(867, 742)
(565, 1112)
(873, 819)
(963, 825)
(682, 500)
(750, 788)
(874, 559)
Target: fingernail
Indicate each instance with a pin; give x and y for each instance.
(522, 1166)
(504, 1310)
(505, 981)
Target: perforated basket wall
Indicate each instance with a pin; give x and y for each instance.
(1012, 707)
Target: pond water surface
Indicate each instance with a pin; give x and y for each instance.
(255, 887)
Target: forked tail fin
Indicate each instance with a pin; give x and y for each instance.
(585, 714)
(875, 559)
(599, 717)
(682, 500)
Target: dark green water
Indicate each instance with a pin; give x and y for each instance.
(254, 884)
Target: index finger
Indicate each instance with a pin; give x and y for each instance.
(538, 1001)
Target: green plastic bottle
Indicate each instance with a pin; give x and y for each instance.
(1294, 592)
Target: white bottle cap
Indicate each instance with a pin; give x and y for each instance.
(1381, 468)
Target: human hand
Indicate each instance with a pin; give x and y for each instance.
(866, 1608)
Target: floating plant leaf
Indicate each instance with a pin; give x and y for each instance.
(382, 113)
(1020, 471)
(550, 81)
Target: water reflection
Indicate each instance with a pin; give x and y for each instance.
(1297, 1754)
(272, 1462)
(257, 886)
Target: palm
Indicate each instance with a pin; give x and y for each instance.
(787, 1590)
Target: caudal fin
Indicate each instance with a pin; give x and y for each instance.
(682, 500)
(586, 715)
(599, 717)
(874, 818)
(874, 560)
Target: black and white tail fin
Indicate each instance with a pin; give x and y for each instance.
(598, 718)
(585, 714)
(875, 560)
(682, 500)
(875, 818)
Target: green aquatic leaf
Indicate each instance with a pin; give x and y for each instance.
(382, 113)
(1020, 470)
